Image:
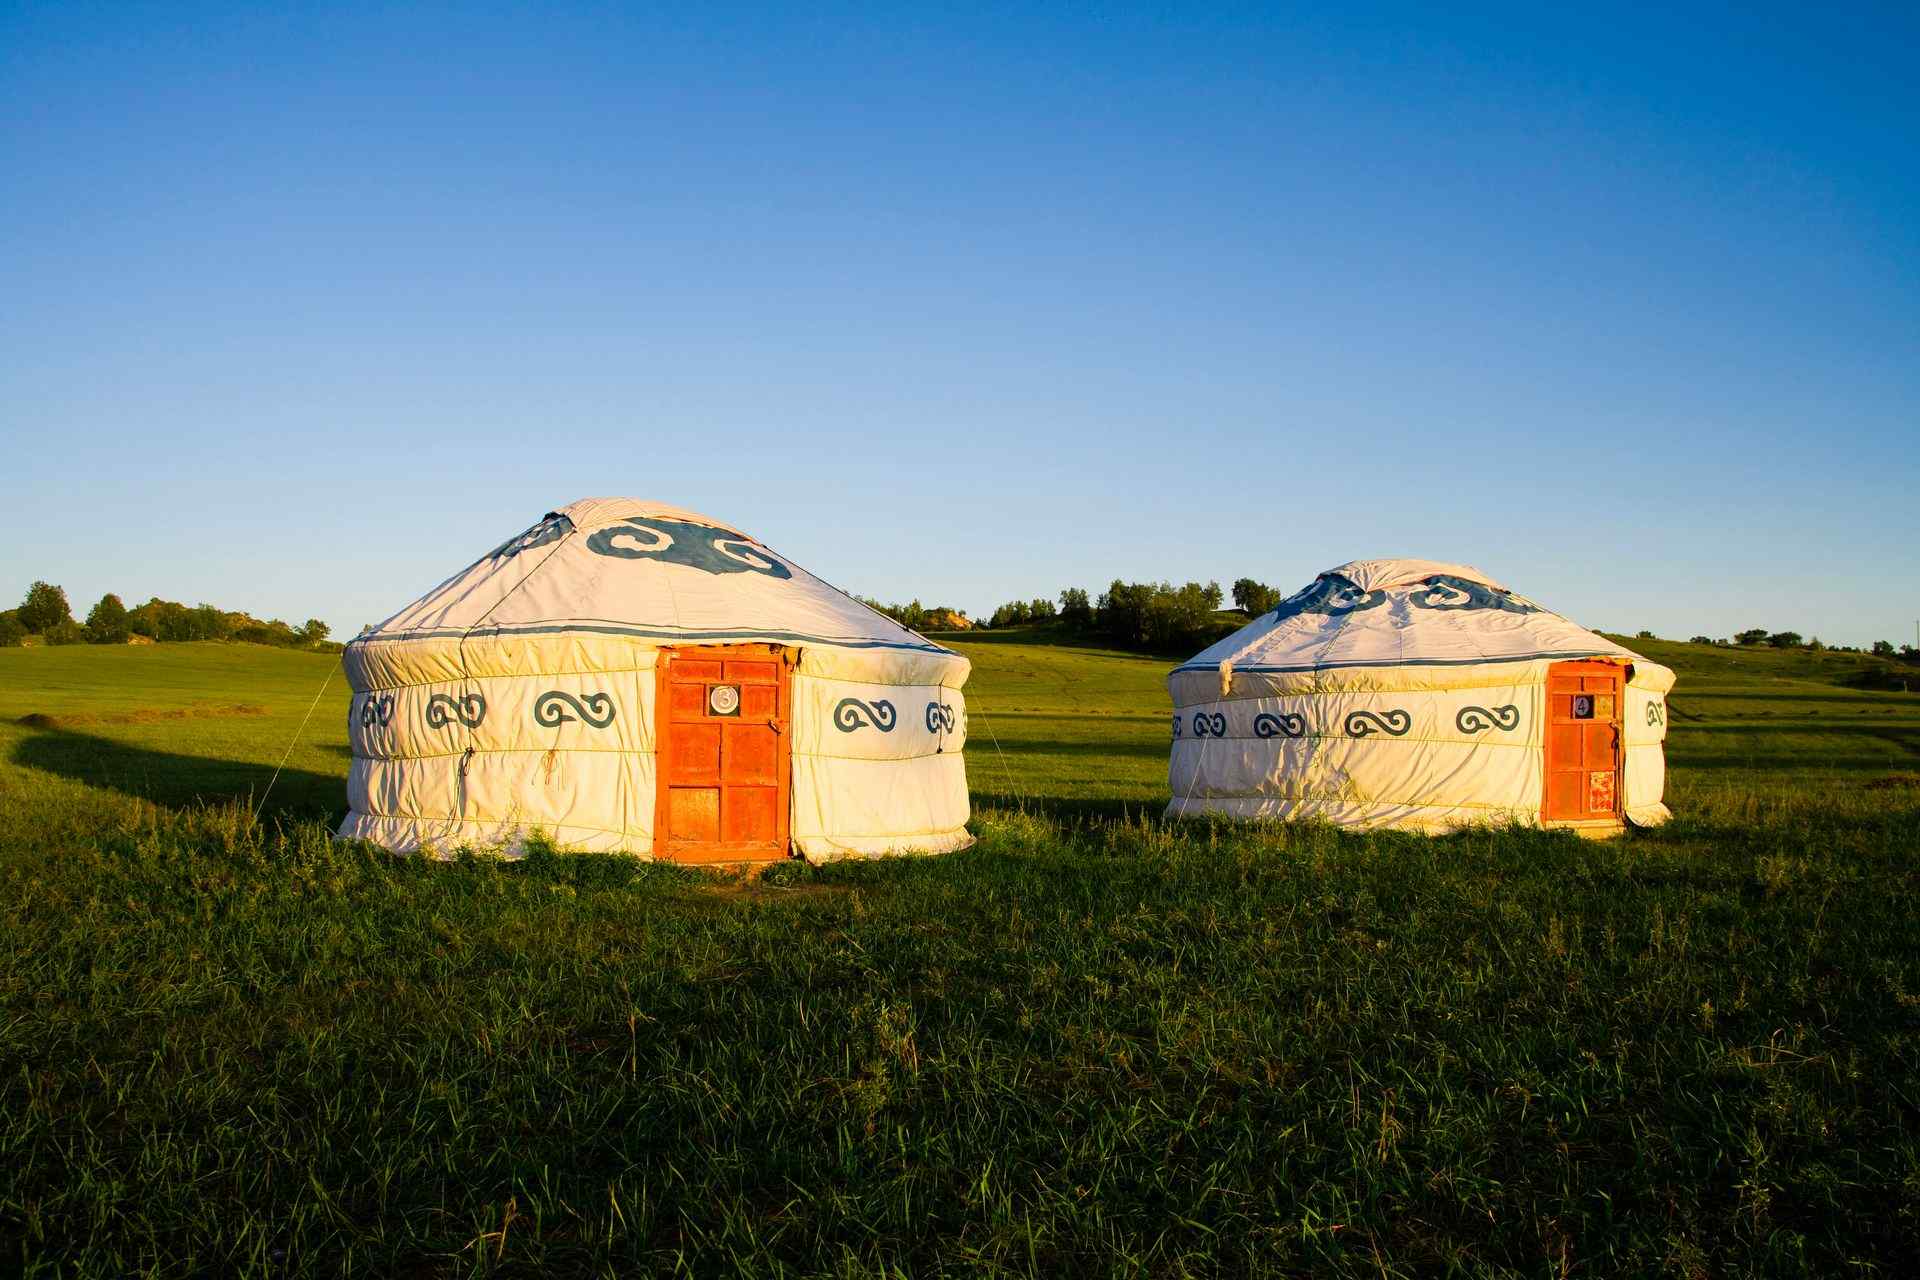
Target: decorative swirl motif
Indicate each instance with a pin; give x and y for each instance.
(596, 709)
(697, 546)
(1444, 591)
(376, 710)
(551, 529)
(469, 709)
(1475, 719)
(1656, 714)
(1209, 726)
(1177, 722)
(851, 713)
(939, 717)
(1361, 724)
(1331, 595)
(1285, 725)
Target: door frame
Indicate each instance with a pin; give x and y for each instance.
(1621, 674)
(720, 852)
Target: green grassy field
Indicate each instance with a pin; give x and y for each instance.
(1093, 1043)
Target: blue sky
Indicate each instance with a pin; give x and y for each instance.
(302, 308)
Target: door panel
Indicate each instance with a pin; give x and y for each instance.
(724, 746)
(695, 757)
(751, 756)
(1582, 756)
(694, 813)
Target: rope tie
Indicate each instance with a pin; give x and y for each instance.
(290, 745)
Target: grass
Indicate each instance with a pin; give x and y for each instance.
(1094, 1043)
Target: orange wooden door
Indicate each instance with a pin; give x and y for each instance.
(723, 752)
(1583, 742)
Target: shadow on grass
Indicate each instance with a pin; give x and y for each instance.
(179, 781)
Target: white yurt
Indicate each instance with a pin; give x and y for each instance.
(627, 676)
(1419, 695)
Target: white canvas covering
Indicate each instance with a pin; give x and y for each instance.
(1396, 693)
(518, 695)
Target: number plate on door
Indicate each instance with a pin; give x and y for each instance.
(724, 700)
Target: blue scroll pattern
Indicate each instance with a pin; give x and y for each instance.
(852, 713)
(1283, 725)
(940, 717)
(1395, 723)
(1334, 595)
(1480, 719)
(1209, 725)
(443, 709)
(594, 709)
(551, 529)
(696, 546)
(1444, 591)
(376, 710)
(1330, 596)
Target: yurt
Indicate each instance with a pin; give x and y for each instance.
(627, 676)
(1423, 696)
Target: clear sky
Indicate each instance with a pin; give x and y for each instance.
(302, 308)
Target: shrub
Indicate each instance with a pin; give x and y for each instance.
(67, 632)
(11, 632)
(1701, 640)
(1753, 635)
(1784, 639)
(1645, 635)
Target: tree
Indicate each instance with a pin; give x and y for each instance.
(1646, 635)
(1701, 640)
(1075, 609)
(44, 608)
(1784, 639)
(1015, 613)
(315, 632)
(1040, 609)
(1157, 617)
(1755, 635)
(11, 632)
(210, 623)
(1253, 597)
(1883, 648)
(107, 621)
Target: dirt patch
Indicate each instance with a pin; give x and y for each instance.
(1894, 782)
(144, 715)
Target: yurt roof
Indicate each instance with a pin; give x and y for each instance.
(1397, 613)
(656, 573)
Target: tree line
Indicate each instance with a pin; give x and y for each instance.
(1150, 617)
(1755, 636)
(46, 615)
(1158, 617)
